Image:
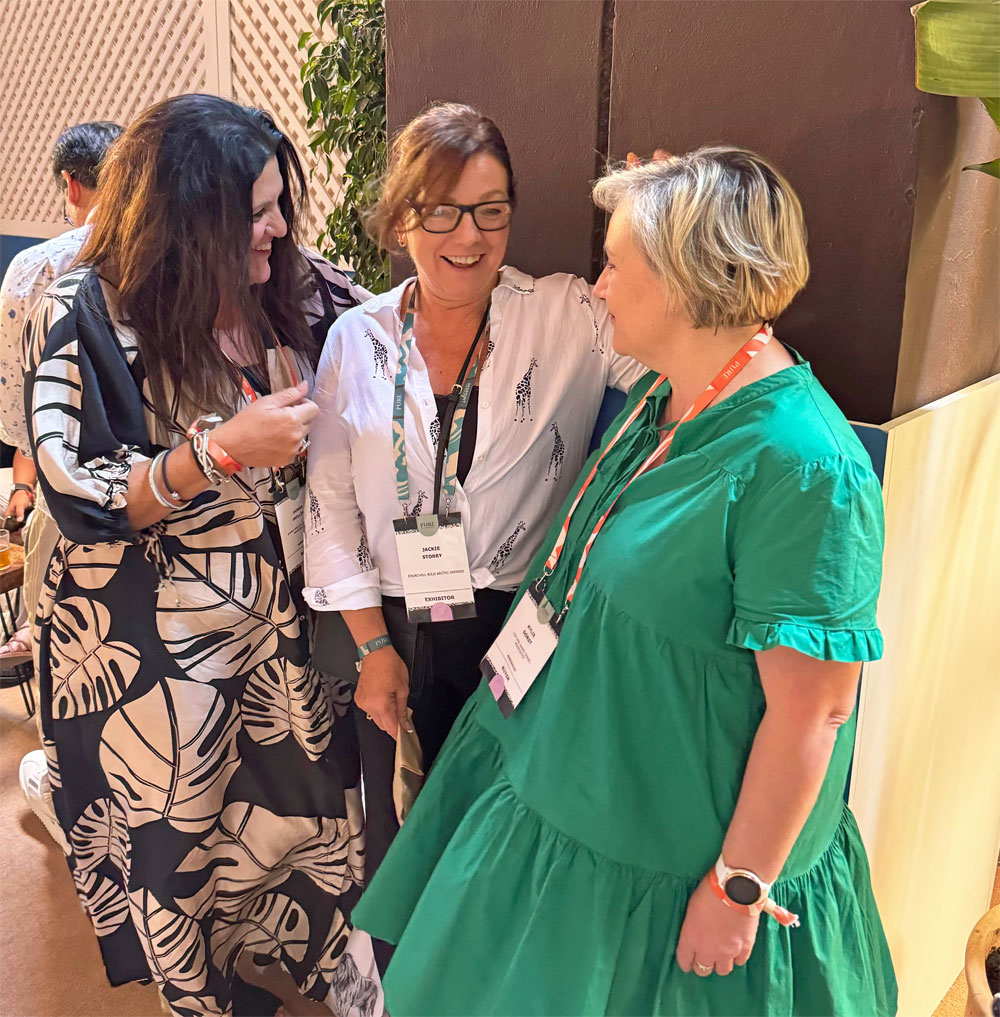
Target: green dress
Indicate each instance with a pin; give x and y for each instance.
(548, 862)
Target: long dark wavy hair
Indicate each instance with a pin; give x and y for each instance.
(172, 233)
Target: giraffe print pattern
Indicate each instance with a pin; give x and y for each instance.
(315, 515)
(320, 598)
(364, 555)
(436, 431)
(523, 394)
(418, 505)
(598, 342)
(503, 551)
(381, 355)
(558, 454)
(490, 347)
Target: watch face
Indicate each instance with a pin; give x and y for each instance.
(742, 890)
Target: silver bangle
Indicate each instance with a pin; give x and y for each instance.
(151, 477)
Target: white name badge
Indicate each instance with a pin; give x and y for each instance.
(290, 509)
(434, 564)
(522, 649)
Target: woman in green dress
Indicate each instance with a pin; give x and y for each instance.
(659, 826)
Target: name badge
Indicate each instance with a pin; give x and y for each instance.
(290, 509)
(522, 649)
(434, 563)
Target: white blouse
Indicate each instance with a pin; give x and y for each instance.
(546, 367)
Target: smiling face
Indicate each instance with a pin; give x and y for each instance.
(461, 267)
(268, 221)
(637, 299)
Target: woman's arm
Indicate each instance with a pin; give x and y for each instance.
(268, 432)
(807, 702)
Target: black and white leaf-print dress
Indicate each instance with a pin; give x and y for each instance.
(189, 741)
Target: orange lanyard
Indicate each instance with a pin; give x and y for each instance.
(248, 390)
(747, 352)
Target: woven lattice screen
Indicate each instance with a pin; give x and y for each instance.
(68, 61)
(265, 72)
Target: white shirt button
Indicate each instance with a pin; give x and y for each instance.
(486, 404)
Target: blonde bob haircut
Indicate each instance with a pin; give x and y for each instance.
(721, 227)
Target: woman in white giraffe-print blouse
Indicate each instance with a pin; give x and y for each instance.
(545, 362)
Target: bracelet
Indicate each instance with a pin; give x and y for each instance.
(178, 501)
(207, 465)
(370, 647)
(27, 488)
(151, 477)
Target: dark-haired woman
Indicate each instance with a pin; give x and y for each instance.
(189, 744)
(470, 389)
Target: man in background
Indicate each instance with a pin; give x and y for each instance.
(76, 161)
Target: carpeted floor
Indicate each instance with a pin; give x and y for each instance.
(51, 965)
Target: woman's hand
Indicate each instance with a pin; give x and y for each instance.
(714, 935)
(270, 430)
(383, 689)
(20, 502)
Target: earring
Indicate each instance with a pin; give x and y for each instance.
(401, 239)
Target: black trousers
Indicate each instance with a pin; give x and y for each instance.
(443, 660)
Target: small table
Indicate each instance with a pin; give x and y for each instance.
(16, 669)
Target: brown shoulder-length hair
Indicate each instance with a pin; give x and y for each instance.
(172, 233)
(426, 159)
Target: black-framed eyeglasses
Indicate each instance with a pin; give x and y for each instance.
(444, 218)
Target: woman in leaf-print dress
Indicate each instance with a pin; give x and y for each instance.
(189, 742)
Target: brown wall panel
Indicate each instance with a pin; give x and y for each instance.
(534, 67)
(825, 89)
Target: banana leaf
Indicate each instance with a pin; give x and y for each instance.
(958, 47)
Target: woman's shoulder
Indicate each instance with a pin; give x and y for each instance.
(546, 289)
(802, 435)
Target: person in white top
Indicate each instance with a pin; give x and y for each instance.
(76, 159)
(539, 355)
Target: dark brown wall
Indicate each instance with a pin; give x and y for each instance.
(534, 67)
(823, 87)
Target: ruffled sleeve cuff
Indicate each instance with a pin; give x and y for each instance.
(822, 644)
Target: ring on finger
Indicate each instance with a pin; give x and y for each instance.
(303, 447)
(703, 969)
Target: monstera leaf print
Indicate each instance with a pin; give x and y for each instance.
(103, 900)
(221, 614)
(197, 1006)
(282, 698)
(101, 832)
(227, 516)
(52, 758)
(332, 953)
(339, 693)
(252, 850)
(174, 944)
(170, 755)
(93, 565)
(271, 925)
(89, 674)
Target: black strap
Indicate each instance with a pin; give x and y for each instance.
(453, 397)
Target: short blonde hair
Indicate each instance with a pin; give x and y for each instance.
(720, 226)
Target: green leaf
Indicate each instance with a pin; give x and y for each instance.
(992, 168)
(993, 108)
(958, 47)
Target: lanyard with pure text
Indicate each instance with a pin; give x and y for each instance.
(446, 465)
(747, 352)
